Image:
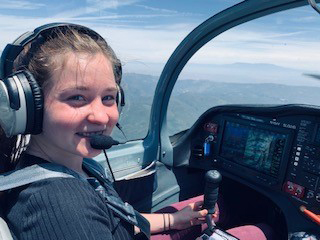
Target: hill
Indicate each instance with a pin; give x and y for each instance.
(191, 98)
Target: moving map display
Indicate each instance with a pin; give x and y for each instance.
(256, 148)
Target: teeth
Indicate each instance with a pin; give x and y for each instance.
(89, 134)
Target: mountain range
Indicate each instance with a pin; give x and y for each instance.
(190, 98)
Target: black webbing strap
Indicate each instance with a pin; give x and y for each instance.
(118, 207)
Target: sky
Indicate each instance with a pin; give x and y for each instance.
(144, 33)
(141, 32)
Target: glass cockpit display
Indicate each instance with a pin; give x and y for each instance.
(256, 148)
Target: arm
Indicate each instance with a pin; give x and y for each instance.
(159, 222)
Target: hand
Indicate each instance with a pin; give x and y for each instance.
(191, 215)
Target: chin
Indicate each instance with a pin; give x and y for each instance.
(86, 151)
(90, 153)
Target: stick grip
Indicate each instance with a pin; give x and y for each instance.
(212, 180)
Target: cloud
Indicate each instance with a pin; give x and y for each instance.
(154, 44)
(151, 45)
(16, 4)
(307, 19)
(127, 18)
(158, 9)
(144, 45)
(103, 4)
(287, 50)
(95, 6)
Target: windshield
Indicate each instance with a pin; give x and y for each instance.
(142, 33)
(271, 60)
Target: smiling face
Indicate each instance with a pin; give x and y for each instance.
(80, 102)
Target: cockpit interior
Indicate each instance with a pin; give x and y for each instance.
(268, 154)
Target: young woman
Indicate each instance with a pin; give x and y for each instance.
(77, 73)
(75, 69)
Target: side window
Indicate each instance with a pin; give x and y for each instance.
(271, 60)
(134, 118)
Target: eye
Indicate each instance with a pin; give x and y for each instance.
(76, 98)
(76, 101)
(109, 99)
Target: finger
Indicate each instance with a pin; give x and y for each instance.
(203, 213)
(197, 221)
(217, 209)
(200, 202)
(198, 205)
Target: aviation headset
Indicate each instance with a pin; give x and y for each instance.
(21, 98)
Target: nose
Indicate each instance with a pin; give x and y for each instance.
(99, 113)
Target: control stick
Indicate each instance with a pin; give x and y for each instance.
(212, 178)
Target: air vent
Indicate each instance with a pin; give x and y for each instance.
(197, 151)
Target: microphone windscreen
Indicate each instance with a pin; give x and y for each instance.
(102, 142)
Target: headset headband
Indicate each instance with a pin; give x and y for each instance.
(11, 51)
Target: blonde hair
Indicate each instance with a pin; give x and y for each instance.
(41, 57)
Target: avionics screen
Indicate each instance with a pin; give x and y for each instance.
(253, 147)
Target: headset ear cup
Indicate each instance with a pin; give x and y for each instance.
(120, 99)
(34, 124)
(118, 72)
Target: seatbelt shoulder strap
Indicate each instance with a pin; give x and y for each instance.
(123, 210)
(34, 173)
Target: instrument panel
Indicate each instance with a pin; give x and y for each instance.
(275, 147)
